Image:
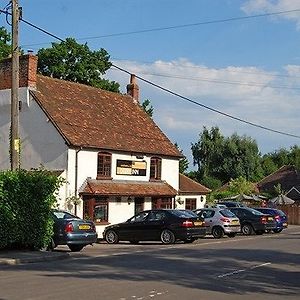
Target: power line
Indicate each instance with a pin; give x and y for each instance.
(173, 64)
(253, 84)
(176, 94)
(180, 26)
(205, 106)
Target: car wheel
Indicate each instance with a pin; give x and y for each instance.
(247, 229)
(75, 248)
(111, 237)
(277, 230)
(231, 234)
(134, 242)
(217, 232)
(167, 237)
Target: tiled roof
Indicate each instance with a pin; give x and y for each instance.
(287, 176)
(189, 186)
(127, 188)
(93, 118)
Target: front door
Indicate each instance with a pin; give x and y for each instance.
(138, 205)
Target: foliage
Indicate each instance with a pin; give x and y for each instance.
(5, 45)
(183, 162)
(225, 158)
(75, 62)
(148, 108)
(26, 199)
(241, 186)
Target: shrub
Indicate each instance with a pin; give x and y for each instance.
(26, 199)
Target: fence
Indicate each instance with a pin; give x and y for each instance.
(293, 213)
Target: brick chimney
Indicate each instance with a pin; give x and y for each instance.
(27, 72)
(133, 89)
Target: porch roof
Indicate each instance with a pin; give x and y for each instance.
(127, 188)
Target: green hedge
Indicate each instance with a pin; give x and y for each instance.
(26, 199)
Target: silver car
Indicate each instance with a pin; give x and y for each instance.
(219, 221)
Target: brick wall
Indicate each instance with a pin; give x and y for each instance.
(27, 72)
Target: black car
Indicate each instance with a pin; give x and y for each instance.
(253, 221)
(72, 231)
(279, 216)
(165, 225)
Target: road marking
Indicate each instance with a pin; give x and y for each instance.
(242, 270)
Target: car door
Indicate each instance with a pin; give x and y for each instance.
(208, 216)
(153, 225)
(132, 229)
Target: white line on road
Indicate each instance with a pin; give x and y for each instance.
(243, 270)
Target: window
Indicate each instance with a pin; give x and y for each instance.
(104, 165)
(165, 203)
(96, 209)
(155, 168)
(190, 203)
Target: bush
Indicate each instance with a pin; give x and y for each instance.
(26, 199)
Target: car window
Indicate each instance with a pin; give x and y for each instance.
(183, 213)
(156, 215)
(280, 213)
(227, 213)
(139, 217)
(64, 215)
(239, 213)
(254, 212)
(208, 213)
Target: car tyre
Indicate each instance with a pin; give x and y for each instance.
(247, 229)
(75, 248)
(111, 237)
(217, 232)
(231, 234)
(277, 230)
(167, 237)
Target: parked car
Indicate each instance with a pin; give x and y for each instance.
(230, 204)
(219, 221)
(72, 231)
(253, 220)
(165, 225)
(280, 217)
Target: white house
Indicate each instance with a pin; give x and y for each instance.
(111, 153)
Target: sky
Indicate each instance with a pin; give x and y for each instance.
(214, 52)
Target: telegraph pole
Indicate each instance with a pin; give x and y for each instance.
(15, 139)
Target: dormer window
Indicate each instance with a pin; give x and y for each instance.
(104, 165)
(155, 168)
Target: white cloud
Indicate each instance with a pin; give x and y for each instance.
(248, 93)
(271, 6)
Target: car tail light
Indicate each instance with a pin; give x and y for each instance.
(277, 218)
(187, 223)
(225, 220)
(69, 228)
(263, 220)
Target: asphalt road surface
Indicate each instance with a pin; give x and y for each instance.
(255, 267)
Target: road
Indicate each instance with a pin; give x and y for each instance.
(255, 267)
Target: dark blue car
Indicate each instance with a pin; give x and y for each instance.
(280, 217)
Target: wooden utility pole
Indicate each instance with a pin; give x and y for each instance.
(15, 140)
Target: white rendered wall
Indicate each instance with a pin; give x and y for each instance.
(41, 145)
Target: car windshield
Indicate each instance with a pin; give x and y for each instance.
(63, 215)
(184, 213)
(139, 217)
(227, 213)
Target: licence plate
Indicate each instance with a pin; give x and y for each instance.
(198, 223)
(270, 218)
(234, 222)
(284, 224)
(84, 227)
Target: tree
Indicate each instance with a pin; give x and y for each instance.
(148, 108)
(226, 158)
(75, 62)
(183, 162)
(5, 45)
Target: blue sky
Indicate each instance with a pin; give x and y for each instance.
(247, 68)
